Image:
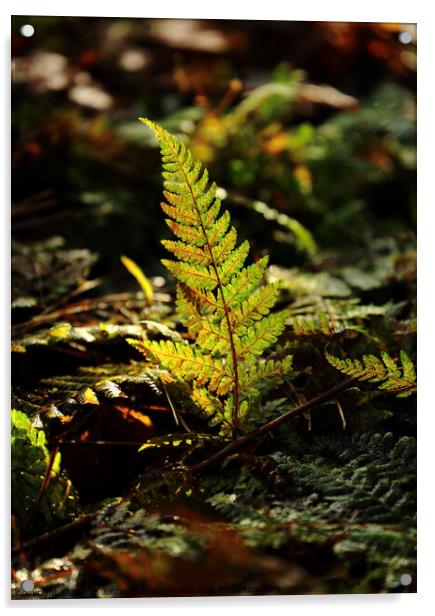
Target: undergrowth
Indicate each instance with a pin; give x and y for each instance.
(106, 442)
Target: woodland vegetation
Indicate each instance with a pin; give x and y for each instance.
(225, 403)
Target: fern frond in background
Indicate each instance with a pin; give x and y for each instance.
(354, 494)
(222, 303)
(392, 377)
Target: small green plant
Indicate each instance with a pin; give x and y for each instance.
(36, 478)
(222, 302)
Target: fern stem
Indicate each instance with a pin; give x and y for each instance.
(236, 392)
(242, 441)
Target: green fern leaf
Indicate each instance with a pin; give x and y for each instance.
(242, 285)
(387, 372)
(255, 306)
(265, 371)
(194, 276)
(188, 362)
(219, 299)
(261, 335)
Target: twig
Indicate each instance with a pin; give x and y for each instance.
(271, 425)
(177, 418)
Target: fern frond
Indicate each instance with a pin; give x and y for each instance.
(270, 369)
(329, 317)
(209, 405)
(261, 335)
(110, 389)
(193, 276)
(255, 306)
(242, 285)
(189, 363)
(193, 254)
(234, 263)
(219, 299)
(191, 440)
(392, 378)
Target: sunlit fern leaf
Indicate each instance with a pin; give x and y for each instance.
(87, 396)
(254, 307)
(261, 335)
(65, 333)
(210, 406)
(219, 299)
(265, 371)
(189, 363)
(244, 283)
(390, 376)
(109, 389)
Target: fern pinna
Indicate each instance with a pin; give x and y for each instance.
(392, 378)
(220, 300)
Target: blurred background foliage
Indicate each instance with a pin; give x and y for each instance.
(309, 130)
(250, 99)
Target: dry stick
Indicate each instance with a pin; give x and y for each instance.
(271, 425)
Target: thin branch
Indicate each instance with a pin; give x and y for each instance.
(242, 441)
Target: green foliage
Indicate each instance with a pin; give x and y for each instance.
(392, 378)
(353, 493)
(322, 183)
(371, 477)
(36, 476)
(221, 302)
(329, 317)
(299, 235)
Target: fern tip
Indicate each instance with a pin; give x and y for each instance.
(148, 123)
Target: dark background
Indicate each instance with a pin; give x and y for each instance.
(83, 169)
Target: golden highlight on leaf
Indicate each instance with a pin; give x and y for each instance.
(220, 300)
(143, 281)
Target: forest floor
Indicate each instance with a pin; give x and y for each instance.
(321, 179)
